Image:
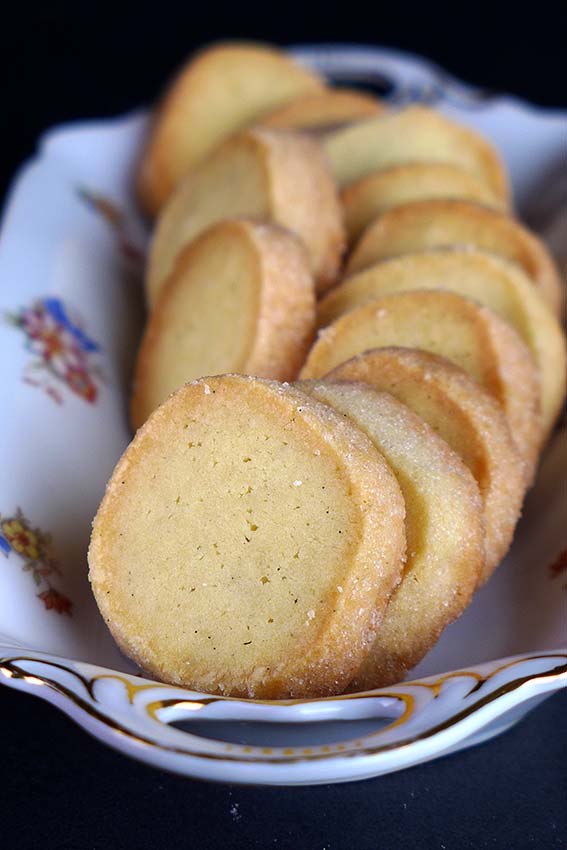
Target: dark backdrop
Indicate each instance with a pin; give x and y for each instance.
(60, 789)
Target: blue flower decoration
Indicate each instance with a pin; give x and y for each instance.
(5, 546)
(56, 309)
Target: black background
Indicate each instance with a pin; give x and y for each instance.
(60, 789)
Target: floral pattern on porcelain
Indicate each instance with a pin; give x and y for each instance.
(34, 547)
(63, 354)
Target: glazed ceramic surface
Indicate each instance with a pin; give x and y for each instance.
(71, 259)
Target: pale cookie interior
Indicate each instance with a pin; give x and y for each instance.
(323, 111)
(223, 187)
(375, 194)
(414, 134)
(247, 542)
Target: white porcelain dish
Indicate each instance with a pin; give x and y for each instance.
(71, 249)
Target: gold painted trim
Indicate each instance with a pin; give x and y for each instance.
(131, 689)
(10, 669)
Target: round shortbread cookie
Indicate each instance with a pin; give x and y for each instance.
(264, 174)
(380, 191)
(323, 111)
(240, 299)
(248, 542)
(423, 225)
(486, 278)
(471, 336)
(220, 90)
(414, 134)
(444, 529)
(466, 417)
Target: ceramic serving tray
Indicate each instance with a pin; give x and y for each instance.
(71, 259)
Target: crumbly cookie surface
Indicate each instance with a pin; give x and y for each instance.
(413, 134)
(373, 195)
(438, 223)
(444, 529)
(221, 89)
(240, 299)
(491, 280)
(264, 174)
(444, 323)
(466, 417)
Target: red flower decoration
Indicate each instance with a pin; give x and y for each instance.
(78, 380)
(53, 600)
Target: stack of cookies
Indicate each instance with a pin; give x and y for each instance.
(352, 361)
